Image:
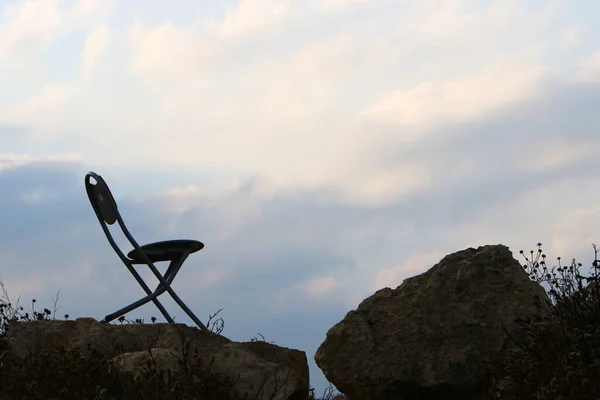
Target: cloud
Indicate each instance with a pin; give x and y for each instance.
(91, 10)
(536, 215)
(95, 46)
(321, 286)
(590, 71)
(456, 101)
(46, 109)
(33, 25)
(320, 289)
(249, 16)
(414, 265)
(572, 35)
(286, 90)
(8, 161)
(338, 6)
(170, 54)
(560, 153)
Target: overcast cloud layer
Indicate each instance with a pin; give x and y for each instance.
(321, 149)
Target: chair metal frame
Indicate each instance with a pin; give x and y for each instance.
(107, 212)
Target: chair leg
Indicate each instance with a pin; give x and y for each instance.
(151, 297)
(186, 309)
(165, 284)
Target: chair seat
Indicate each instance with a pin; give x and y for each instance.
(167, 250)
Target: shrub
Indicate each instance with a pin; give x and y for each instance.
(557, 352)
(67, 374)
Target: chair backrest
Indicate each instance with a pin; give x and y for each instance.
(106, 210)
(101, 198)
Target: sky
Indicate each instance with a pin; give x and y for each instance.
(320, 149)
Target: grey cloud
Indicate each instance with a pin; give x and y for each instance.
(559, 112)
(54, 200)
(12, 137)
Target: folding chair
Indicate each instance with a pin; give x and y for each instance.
(175, 251)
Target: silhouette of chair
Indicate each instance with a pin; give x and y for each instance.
(175, 251)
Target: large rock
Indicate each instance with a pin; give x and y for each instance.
(432, 337)
(256, 367)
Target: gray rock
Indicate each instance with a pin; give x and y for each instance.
(433, 336)
(276, 372)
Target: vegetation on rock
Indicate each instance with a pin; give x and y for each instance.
(558, 352)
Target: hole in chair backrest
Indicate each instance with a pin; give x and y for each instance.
(104, 202)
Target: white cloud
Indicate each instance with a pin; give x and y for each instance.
(324, 289)
(231, 201)
(30, 286)
(45, 112)
(88, 9)
(171, 54)
(208, 277)
(555, 154)
(371, 186)
(340, 5)
(94, 48)
(249, 16)
(191, 54)
(32, 26)
(76, 277)
(451, 22)
(540, 214)
(317, 73)
(294, 116)
(594, 60)
(571, 35)
(458, 100)
(590, 69)
(213, 193)
(413, 265)
(9, 161)
(33, 196)
(574, 234)
(321, 287)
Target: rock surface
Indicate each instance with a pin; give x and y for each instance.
(431, 337)
(255, 366)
